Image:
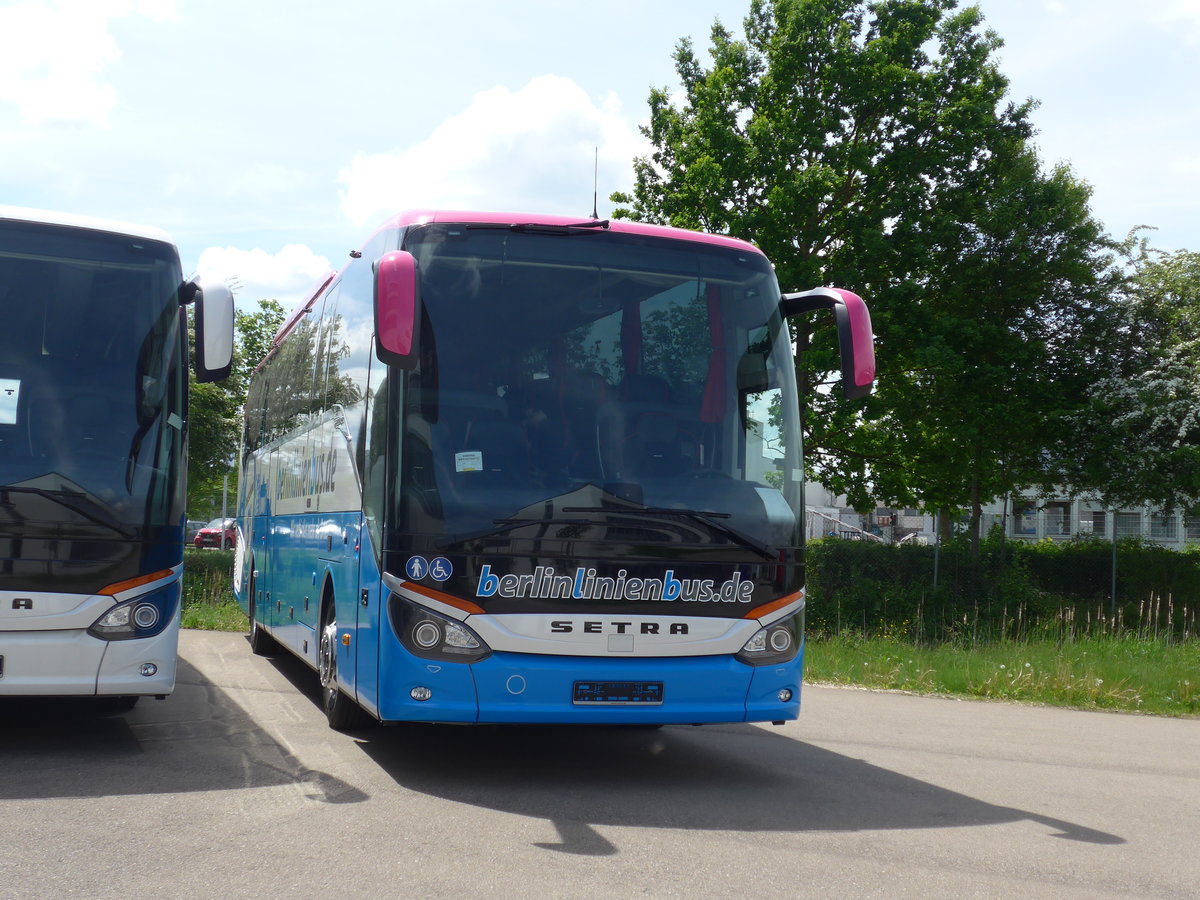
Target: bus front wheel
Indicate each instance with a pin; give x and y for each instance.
(342, 712)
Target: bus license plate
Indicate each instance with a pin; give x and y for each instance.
(619, 693)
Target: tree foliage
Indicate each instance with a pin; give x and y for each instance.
(214, 410)
(873, 146)
(1139, 435)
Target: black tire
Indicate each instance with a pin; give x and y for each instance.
(261, 643)
(341, 711)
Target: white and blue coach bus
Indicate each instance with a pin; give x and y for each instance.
(508, 468)
(93, 443)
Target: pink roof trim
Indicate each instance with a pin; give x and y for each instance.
(424, 216)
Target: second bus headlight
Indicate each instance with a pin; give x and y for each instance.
(431, 635)
(775, 643)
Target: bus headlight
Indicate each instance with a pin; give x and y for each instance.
(142, 617)
(431, 635)
(779, 642)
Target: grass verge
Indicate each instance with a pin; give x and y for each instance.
(208, 601)
(1116, 673)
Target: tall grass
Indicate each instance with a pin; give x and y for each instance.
(208, 601)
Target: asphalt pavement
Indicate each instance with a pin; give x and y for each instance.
(235, 787)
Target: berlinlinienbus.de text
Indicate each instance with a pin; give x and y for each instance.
(544, 584)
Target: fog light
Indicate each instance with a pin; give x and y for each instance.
(420, 693)
(785, 695)
(148, 669)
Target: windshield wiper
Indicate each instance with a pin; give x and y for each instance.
(697, 515)
(74, 502)
(507, 525)
(573, 228)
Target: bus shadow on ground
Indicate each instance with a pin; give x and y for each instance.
(719, 777)
(196, 740)
(714, 777)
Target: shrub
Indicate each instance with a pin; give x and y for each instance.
(1053, 589)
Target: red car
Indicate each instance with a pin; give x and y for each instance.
(210, 534)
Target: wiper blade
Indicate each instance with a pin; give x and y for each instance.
(573, 228)
(700, 515)
(507, 525)
(72, 501)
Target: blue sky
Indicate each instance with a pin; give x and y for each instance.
(269, 138)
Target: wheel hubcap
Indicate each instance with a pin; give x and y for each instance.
(326, 661)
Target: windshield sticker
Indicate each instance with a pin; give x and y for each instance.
(545, 584)
(10, 394)
(438, 569)
(416, 568)
(468, 461)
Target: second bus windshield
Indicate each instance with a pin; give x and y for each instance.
(564, 371)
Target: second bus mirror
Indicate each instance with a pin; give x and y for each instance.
(214, 333)
(397, 309)
(854, 333)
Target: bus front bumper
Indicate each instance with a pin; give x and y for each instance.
(528, 688)
(72, 663)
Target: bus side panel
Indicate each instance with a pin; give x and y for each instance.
(370, 618)
(293, 560)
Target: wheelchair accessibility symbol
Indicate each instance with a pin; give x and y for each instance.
(418, 567)
(441, 569)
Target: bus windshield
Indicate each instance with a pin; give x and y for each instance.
(589, 376)
(91, 400)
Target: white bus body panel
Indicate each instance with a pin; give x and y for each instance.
(47, 651)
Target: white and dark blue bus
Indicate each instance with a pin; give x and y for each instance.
(93, 441)
(509, 468)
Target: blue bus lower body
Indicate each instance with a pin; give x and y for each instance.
(529, 688)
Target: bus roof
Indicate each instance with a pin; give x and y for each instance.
(70, 220)
(425, 216)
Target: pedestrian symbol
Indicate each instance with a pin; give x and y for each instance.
(417, 568)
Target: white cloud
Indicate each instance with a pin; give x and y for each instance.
(1180, 16)
(55, 53)
(1186, 165)
(524, 151)
(286, 276)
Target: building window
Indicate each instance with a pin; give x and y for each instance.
(1129, 524)
(1191, 528)
(1024, 519)
(1164, 527)
(1093, 522)
(1058, 518)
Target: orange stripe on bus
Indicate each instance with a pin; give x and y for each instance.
(761, 611)
(448, 599)
(129, 583)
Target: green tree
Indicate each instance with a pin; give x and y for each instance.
(214, 410)
(1139, 435)
(872, 146)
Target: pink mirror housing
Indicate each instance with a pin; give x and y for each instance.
(397, 311)
(855, 339)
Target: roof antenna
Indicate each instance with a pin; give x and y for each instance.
(596, 187)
